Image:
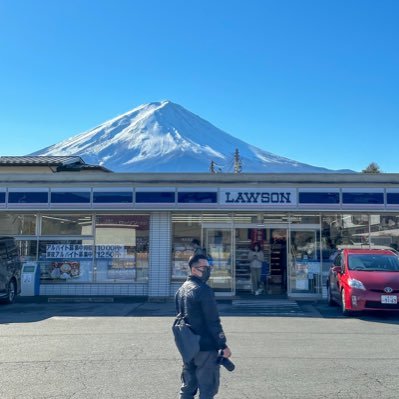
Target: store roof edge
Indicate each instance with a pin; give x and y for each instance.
(201, 178)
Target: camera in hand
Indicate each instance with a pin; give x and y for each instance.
(225, 362)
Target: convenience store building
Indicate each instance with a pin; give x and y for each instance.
(125, 234)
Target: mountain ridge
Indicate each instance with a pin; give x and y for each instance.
(166, 137)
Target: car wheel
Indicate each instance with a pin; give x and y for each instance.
(344, 310)
(11, 292)
(330, 299)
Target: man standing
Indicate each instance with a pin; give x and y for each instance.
(196, 300)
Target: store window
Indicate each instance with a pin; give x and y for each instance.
(14, 224)
(275, 218)
(305, 267)
(198, 197)
(319, 198)
(210, 217)
(355, 229)
(122, 248)
(66, 261)
(66, 224)
(27, 249)
(384, 230)
(393, 198)
(331, 237)
(155, 197)
(345, 229)
(112, 197)
(186, 228)
(304, 254)
(70, 197)
(362, 198)
(26, 197)
(339, 231)
(258, 218)
(247, 218)
(305, 218)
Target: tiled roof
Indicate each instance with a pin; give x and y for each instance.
(41, 160)
(57, 164)
(78, 167)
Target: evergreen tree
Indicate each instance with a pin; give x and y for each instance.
(372, 168)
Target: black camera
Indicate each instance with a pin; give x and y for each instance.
(225, 362)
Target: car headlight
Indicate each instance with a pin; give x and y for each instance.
(356, 284)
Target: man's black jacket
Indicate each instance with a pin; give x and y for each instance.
(197, 301)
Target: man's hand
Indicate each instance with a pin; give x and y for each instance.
(226, 352)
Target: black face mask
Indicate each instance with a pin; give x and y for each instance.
(205, 274)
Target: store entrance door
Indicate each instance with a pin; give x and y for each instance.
(219, 243)
(304, 261)
(272, 243)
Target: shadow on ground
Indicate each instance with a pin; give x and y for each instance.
(334, 312)
(25, 311)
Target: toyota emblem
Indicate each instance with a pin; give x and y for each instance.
(388, 290)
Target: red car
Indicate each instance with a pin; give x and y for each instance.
(364, 279)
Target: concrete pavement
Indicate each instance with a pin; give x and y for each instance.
(125, 350)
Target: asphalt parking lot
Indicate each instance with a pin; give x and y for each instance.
(125, 350)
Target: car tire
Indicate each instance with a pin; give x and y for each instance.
(330, 299)
(11, 292)
(344, 310)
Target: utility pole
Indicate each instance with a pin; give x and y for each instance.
(237, 162)
(212, 167)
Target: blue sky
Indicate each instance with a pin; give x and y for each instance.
(312, 80)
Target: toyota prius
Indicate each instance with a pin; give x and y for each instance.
(364, 279)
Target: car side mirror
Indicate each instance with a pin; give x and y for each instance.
(337, 269)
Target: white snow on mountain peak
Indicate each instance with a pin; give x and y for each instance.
(165, 137)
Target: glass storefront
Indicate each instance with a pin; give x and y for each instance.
(66, 225)
(63, 261)
(99, 247)
(185, 229)
(121, 248)
(384, 230)
(218, 244)
(228, 238)
(17, 224)
(304, 260)
(297, 247)
(84, 247)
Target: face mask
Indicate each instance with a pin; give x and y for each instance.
(205, 274)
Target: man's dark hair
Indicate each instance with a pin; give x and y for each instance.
(194, 259)
(195, 241)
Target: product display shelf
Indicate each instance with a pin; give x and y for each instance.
(276, 272)
(243, 279)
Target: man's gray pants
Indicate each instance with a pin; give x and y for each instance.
(203, 374)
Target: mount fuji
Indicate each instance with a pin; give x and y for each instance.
(165, 137)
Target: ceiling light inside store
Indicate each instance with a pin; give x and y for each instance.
(55, 218)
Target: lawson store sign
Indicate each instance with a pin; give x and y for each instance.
(273, 197)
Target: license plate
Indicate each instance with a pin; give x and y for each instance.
(389, 299)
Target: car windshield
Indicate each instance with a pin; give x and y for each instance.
(373, 262)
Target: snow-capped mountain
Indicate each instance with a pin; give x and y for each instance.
(165, 137)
